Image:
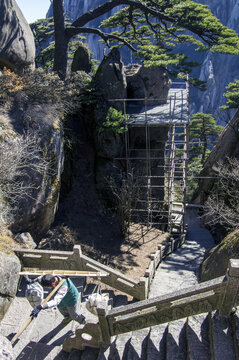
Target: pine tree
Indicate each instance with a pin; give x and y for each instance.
(203, 131)
(43, 31)
(232, 95)
(150, 28)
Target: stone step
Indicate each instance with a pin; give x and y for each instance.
(107, 350)
(156, 348)
(40, 351)
(88, 354)
(198, 339)
(75, 355)
(222, 340)
(104, 352)
(120, 347)
(138, 344)
(176, 340)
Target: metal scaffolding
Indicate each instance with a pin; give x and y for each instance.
(156, 151)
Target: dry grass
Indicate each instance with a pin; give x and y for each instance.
(7, 243)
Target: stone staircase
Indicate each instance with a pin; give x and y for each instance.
(201, 337)
(206, 336)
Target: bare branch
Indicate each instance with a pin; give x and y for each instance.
(22, 160)
(126, 192)
(222, 204)
(106, 37)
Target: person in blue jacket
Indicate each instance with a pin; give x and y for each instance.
(66, 298)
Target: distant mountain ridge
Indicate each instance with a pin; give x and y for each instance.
(217, 69)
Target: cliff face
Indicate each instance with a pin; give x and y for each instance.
(217, 69)
(216, 260)
(17, 48)
(226, 146)
(36, 210)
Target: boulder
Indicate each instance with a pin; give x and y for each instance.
(82, 59)
(17, 47)
(9, 274)
(6, 351)
(111, 84)
(216, 260)
(110, 78)
(36, 210)
(25, 240)
(151, 83)
(109, 144)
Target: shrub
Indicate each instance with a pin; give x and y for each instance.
(41, 87)
(114, 121)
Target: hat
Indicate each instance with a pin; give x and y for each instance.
(47, 280)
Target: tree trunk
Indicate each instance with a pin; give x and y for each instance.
(61, 39)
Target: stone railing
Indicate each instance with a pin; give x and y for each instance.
(75, 260)
(219, 294)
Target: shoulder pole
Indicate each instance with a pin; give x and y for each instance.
(29, 320)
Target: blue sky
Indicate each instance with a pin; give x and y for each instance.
(33, 9)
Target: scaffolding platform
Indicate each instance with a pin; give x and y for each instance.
(173, 112)
(155, 154)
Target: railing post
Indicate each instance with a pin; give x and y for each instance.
(143, 288)
(77, 257)
(102, 311)
(231, 290)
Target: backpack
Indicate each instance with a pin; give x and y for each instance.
(34, 294)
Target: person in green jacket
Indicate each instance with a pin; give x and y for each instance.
(66, 298)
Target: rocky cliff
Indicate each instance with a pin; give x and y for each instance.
(17, 48)
(217, 69)
(226, 146)
(216, 260)
(36, 210)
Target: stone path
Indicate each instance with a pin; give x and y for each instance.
(181, 269)
(196, 337)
